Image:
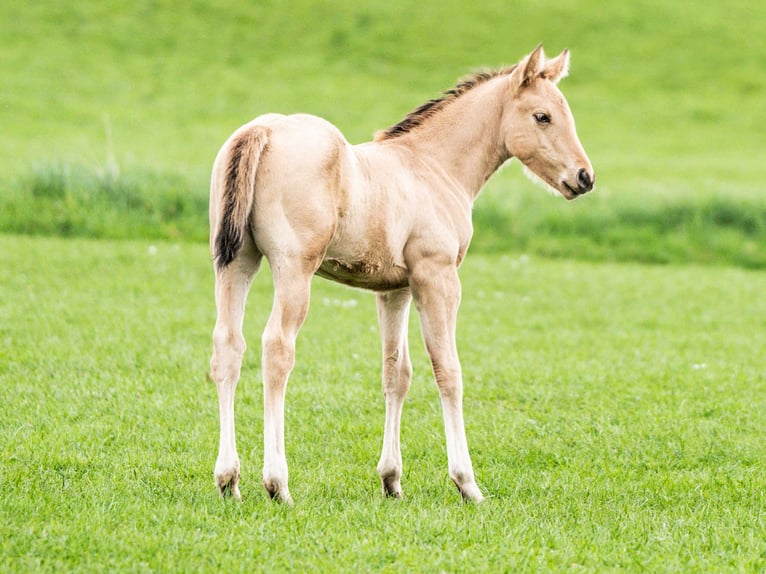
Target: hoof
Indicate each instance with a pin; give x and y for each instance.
(471, 493)
(230, 491)
(391, 487)
(228, 484)
(277, 493)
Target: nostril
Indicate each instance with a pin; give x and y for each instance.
(584, 180)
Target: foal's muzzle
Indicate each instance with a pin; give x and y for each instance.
(584, 183)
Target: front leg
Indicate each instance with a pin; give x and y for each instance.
(393, 311)
(436, 290)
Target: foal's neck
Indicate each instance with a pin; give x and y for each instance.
(464, 139)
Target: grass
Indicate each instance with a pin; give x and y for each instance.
(112, 114)
(613, 411)
(70, 201)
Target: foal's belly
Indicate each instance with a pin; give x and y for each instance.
(364, 273)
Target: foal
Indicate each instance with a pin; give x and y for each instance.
(392, 216)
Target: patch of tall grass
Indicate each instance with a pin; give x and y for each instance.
(58, 198)
(708, 227)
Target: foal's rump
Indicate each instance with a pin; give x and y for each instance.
(277, 178)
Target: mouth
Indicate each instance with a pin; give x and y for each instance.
(570, 192)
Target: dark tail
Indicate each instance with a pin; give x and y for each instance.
(236, 201)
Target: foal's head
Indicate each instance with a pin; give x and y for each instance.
(539, 127)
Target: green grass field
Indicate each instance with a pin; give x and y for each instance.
(614, 413)
(613, 406)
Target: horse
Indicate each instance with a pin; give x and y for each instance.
(392, 216)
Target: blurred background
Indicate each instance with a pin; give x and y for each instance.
(111, 112)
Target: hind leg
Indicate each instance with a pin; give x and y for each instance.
(231, 286)
(292, 283)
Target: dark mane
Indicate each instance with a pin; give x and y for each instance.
(431, 107)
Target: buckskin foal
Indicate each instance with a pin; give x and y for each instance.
(392, 216)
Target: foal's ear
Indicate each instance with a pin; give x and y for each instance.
(531, 66)
(557, 68)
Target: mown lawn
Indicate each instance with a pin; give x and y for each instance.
(614, 413)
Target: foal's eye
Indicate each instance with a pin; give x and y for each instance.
(542, 118)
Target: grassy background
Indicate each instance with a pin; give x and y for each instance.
(614, 413)
(614, 409)
(112, 113)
